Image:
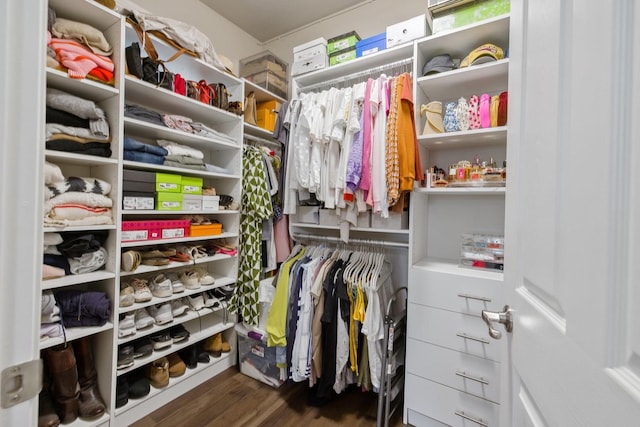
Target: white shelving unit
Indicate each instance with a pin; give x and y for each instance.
(222, 152)
(444, 296)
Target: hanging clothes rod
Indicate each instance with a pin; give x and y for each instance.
(337, 240)
(403, 65)
(257, 139)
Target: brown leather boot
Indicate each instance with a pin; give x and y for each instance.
(47, 416)
(90, 403)
(61, 364)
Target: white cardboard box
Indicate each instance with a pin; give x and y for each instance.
(310, 49)
(210, 203)
(192, 202)
(408, 30)
(317, 62)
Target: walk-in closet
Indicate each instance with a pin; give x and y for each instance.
(358, 212)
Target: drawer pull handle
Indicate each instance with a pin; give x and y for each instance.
(469, 337)
(478, 421)
(484, 299)
(472, 378)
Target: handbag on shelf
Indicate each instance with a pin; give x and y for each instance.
(221, 99)
(179, 84)
(155, 72)
(134, 60)
(207, 95)
(193, 91)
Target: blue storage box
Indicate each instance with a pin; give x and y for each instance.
(371, 45)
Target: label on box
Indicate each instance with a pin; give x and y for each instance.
(370, 51)
(144, 203)
(134, 235)
(190, 189)
(129, 203)
(167, 186)
(171, 233)
(170, 205)
(342, 44)
(257, 350)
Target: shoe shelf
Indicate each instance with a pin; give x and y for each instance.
(74, 334)
(161, 168)
(76, 279)
(178, 385)
(464, 139)
(219, 281)
(216, 325)
(187, 316)
(142, 269)
(100, 421)
(139, 243)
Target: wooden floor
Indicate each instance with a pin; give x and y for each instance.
(233, 399)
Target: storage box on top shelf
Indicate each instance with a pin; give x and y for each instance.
(310, 56)
(264, 61)
(256, 359)
(341, 56)
(406, 31)
(476, 11)
(271, 82)
(341, 42)
(371, 45)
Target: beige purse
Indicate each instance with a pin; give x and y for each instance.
(250, 109)
(433, 112)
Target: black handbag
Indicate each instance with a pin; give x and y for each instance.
(155, 72)
(134, 61)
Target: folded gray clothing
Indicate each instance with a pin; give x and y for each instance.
(55, 128)
(184, 166)
(80, 107)
(186, 160)
(203, 130)
(51, 330)
(88, 262)
(217, 169)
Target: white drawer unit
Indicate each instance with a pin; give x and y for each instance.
(472, 374)
(454, 367)
(456, 331)
(448, 406)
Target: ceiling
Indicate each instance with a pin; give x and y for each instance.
(266, 20)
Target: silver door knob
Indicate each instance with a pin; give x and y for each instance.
(505, 317)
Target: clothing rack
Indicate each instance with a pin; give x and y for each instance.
(262, 141)
(393, 68)
(361, 242)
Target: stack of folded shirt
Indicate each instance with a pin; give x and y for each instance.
(50, 326)
(140, 152)
(76, 125)
(78, 48)
(75, 253)
(182, 156)
(78, 201)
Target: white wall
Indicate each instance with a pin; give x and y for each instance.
(367, 20)
(235, 44)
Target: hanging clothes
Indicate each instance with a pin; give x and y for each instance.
(255, 208)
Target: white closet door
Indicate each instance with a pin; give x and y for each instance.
(22, 53)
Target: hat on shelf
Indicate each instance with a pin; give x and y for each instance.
(438, 64)
(486, 53)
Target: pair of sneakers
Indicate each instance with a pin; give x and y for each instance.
(195, 278)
